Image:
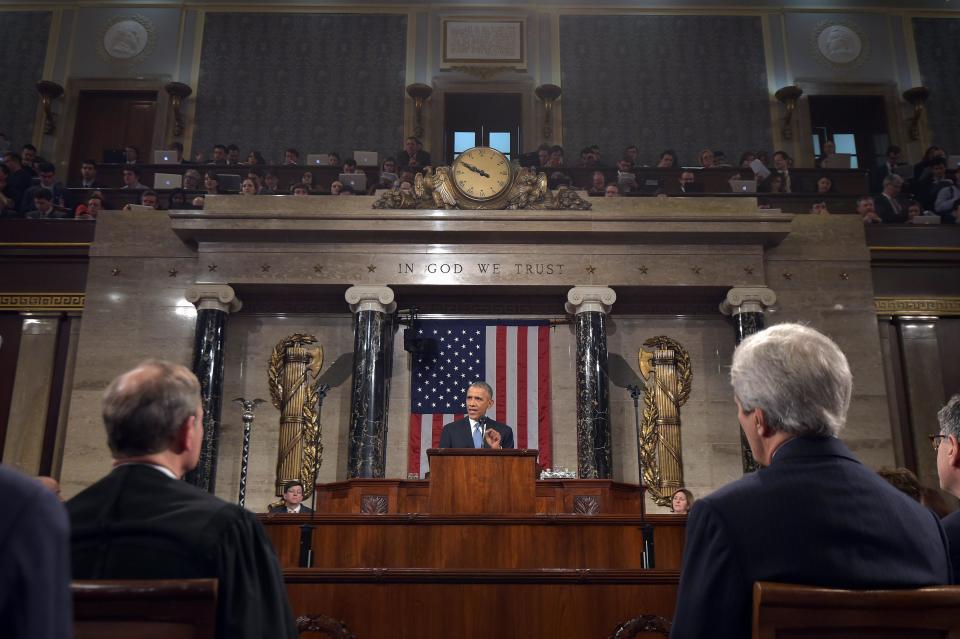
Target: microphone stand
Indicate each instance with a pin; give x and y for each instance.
(635, 394)
(306, 530)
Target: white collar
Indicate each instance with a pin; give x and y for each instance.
(163, 469)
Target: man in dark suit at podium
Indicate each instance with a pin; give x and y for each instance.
(476, 430)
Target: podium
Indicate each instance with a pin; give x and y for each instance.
(428, 558)
(482, 481)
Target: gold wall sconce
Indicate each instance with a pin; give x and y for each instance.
(917, 97)
(548, 94)
(49, 91)
(419, 92)
(178, 92)
(788, 96)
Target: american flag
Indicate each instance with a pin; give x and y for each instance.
(513, 357)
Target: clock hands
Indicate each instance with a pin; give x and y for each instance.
(476, 169)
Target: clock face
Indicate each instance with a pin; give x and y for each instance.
(481, 173)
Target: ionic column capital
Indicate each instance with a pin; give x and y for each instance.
(218, 297)
(747, 299)
(371, 298)
(586, 299)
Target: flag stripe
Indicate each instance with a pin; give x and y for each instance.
(414, 437)
(545, 438)
(532, 397)
(522, 397)
(511, 375)
(500, 372)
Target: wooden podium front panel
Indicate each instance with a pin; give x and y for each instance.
(501, 542)
(404, 604)
(482, 481)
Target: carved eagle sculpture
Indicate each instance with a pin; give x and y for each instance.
(438, 186)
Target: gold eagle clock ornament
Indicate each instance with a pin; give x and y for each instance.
(481, 178)
(481, 173)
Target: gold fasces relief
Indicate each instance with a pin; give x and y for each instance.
(668, 374)
(292, 376)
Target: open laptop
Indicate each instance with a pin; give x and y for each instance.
(318, 159)
(365, 158)
(743, 186)
(167, 181)
(230, 182)
(165, 157)
(356, 181)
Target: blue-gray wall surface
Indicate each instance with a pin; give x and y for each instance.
(23, 48)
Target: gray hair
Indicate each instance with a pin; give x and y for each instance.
(892, 178)
(144, 407)
(949, 417)
(798, 376)
(482, 384)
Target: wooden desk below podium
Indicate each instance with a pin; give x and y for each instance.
(481, 529)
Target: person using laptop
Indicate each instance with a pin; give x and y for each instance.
(350, 167)
(131, 178)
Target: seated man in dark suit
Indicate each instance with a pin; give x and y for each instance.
(889, 207)
(412, 156)
(476, 430)
(813, 515)
(947, 444)
(292, 500)
(142, 522)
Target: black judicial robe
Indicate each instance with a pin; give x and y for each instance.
(815, 516)
(138, 523)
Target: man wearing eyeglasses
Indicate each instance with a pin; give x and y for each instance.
(947, 445)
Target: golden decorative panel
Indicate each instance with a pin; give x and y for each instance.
(294, 361)
(668, 374)
(942, 306)
(42, 301)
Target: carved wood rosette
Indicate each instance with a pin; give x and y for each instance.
(292, 371)
(668, 375)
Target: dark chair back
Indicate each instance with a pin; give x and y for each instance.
(805, 612)
(145, 609)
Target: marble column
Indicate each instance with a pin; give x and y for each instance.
(214, 302)
(745, 304)
(373, 308)
(590, 305)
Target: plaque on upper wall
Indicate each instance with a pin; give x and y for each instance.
(126, 40)
(839, 44)
(484, 42)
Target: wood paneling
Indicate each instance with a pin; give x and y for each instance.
(492, 603)
(463, 542)
(112, 120)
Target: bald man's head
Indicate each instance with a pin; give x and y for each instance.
(144, 408)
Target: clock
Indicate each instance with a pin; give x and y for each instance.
(481, 173)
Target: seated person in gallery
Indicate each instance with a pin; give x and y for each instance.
(681, 501)
(476, 430)
(292, 500)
